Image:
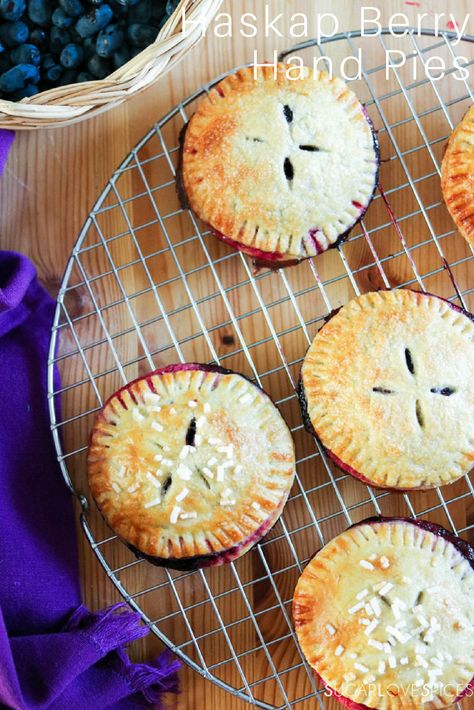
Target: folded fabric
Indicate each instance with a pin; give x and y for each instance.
(6, 139)
(54, 653)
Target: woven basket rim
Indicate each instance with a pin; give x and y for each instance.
(66, 104)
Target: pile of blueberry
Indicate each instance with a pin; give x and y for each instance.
(46, 43)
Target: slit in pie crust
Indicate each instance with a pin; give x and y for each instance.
(388, 387)
(457, 176)
(384, 615)
(279, 169)
(190, 465)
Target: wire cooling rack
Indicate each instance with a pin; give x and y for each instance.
(147, 285)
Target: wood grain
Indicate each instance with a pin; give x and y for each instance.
(50, 184)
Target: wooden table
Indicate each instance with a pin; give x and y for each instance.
(53, 177)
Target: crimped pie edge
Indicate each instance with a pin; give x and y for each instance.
(457, 176)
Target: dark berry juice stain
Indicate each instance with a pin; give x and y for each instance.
(310, 148)
(288, 114)
(409, 361)
(419, 414)
(289, 170)
(166, 484)
(444, 391)
(382, 390)
(191, 432)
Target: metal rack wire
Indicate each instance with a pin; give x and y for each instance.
(147, 285)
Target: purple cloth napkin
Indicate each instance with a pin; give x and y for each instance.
(6, 139)
(54, 653)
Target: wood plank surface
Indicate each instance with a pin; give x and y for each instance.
(51, 182)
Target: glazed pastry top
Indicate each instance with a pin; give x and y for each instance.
(189, 462)
(283, 166)
(389, 384)
(388, 606)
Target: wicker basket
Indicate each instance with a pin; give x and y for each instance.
(67, 104)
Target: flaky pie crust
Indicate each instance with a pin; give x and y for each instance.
(375, 578)
(169, 499)
(457, 176)
(236, 146)
(389, 389)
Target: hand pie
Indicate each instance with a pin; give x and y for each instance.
(191, 465)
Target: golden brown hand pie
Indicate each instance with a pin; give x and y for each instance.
(190, 465)
(281, 169)
(388, 387)
(383, 614)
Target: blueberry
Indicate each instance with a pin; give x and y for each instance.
(141, 35)
(17, 77)
(142, 12)
(28, 90)
(119, 10)
(72, 56)
(39, 38)
(74, 8)
(127, 3)
(98, 66)
(39, 12)
(84, 76)
(12, 9)
(13, 33)
(25, 54)
(61, 18)
(50, 69)
(89, 47)
(59, 37)
(109, 40)
(93, 21)
(121, 56)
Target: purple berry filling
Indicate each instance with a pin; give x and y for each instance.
(214, 559)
